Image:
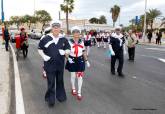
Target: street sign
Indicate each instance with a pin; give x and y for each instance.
(137, 20)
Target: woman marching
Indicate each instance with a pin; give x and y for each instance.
(87, 42)
(98, 39)
(76, 61)
(105, 39)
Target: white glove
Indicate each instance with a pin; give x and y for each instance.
(62, 52)
(88, 64)
(67, 51)
(70, 60)
(112, 52)
(125, 52)
(45, 57)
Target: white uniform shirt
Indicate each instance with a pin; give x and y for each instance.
(87, 37)
(80, 46)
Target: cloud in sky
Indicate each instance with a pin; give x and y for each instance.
(83, 8)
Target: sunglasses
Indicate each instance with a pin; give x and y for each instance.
(75, 31)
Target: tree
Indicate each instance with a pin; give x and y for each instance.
(67, 7)
(102, 20)
(115, 13)
(94, 20)
(43, 17)
(16, 20)
(28, 19)
(152, 15)
(163, 22)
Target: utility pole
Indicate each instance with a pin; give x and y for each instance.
(2, 13)
(145, 19)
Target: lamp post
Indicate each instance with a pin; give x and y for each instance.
(145, 19)
(2, 13)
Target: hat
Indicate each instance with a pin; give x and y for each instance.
(118, 28)
(75, 28)
(56, 23)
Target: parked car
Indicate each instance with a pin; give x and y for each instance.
(13, 31)
(35, 34)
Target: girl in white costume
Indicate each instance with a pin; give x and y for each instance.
(76, 61)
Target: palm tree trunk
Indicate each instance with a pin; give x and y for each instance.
(113, 24)
(67, 23)
(151, 26)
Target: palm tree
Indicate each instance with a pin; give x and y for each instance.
(67, 7)
(163, 22)
(152, 15)
(43, 17)
(115, 13)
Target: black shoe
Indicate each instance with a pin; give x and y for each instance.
(62, 100)
(121, 75)
(50, 105)
(113, 73)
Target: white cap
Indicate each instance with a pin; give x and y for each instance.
(75, 28)
(118, 27)
(54, 22)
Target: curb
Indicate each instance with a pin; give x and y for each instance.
(18, 89)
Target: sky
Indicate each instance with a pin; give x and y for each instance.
(84, 9)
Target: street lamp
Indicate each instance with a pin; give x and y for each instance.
(2, 13)
(145, 19)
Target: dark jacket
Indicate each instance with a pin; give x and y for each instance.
(56, 62)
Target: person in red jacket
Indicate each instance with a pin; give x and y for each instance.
(24, 42)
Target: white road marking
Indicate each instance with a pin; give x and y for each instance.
(157, 58)
(162, 60)
(157, 49)
(18, 89)
(134, 77)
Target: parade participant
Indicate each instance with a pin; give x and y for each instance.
(87, 42)
(117, 49)
(105, 39)
(24, 42)
(53, 50)
(76, 61)
(132, 40)
(98, 39)
(47, 31)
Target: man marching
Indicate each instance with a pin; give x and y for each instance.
(76, 61)
(117, 48)
(53, 49)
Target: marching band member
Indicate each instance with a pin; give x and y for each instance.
(76, 61)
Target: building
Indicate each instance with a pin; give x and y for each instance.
(84, 24)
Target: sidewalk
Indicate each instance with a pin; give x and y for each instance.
(141, 42)
(4, 80)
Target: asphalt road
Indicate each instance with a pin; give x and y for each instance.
(142, 91)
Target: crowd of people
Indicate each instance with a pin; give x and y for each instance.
(156, 35)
